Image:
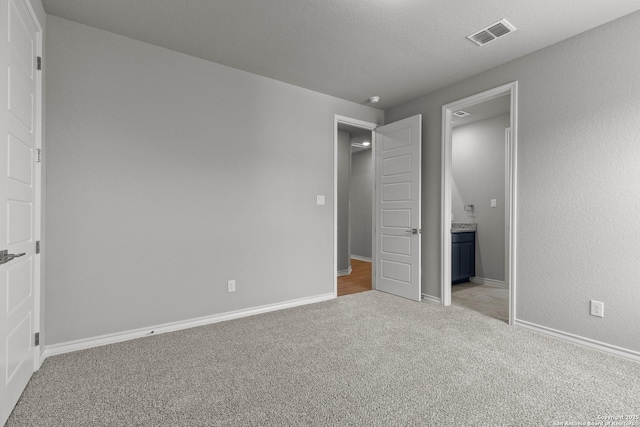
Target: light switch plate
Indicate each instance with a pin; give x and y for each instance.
(320, 200)
(494, 203)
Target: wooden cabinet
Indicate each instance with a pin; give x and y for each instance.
(463, 257)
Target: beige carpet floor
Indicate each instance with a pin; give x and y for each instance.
(368, 359)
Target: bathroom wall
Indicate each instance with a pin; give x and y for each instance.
(478, 172)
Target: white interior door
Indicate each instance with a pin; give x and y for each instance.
(398, 229)
(17, 201)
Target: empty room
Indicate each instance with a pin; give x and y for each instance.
(177, 227)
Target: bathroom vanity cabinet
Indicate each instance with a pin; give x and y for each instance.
(463, 256)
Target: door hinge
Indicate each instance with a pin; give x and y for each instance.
(39, 63)
(38, 247)
(38, 155)
(37, 340)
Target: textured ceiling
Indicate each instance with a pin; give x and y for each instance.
(397, 49)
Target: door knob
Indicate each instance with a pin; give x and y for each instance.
(414, 231)
(6, 257)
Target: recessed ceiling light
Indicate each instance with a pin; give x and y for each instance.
(374, 99)
(366, 143)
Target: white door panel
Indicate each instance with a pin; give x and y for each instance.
(18, 201)
(20, 161)
(398, 157)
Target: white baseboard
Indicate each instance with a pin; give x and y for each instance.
(429, 298)
(488, 282)
(344, 272)
(576, 339)
(361, 258)
(82, 344)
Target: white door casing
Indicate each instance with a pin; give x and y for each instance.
(397, 216)
(19, 214)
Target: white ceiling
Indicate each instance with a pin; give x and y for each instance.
(352, 49)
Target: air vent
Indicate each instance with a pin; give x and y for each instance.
(461, 113)
(492, 32)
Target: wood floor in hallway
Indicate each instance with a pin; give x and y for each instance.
(358, 281)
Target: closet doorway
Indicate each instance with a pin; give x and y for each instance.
(355, 177)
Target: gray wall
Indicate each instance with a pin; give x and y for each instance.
(169, 175)
(361, 202)
(344, 179)
(578, 177)
(478, 175)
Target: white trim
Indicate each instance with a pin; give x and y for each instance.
(345, 272)
(511, 202)
(511, 263)
(82, 344)
(361, 258)
(488, 282)
(445, 215)
(579, 340)
(363, 125)
(429, 298)
(38, 278)
(39, 137)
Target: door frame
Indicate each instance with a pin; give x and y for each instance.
(338, 119)
(39, 212)
(510, 89)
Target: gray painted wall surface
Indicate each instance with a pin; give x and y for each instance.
(578, 232)
(344, 180)
(169, 175)
(361, 202)
(478, 175)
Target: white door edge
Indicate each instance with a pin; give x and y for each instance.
(511, 202)
(39, 183)
(338, 119)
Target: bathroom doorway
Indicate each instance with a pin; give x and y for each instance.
(478, 176)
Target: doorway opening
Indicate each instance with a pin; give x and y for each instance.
(396, 223)
(479, 202)
(354, 208)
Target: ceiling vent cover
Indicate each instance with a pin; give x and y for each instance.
(492, 32)
(461, 113)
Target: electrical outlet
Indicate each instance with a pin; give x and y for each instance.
(597, 308)
(231, 286)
